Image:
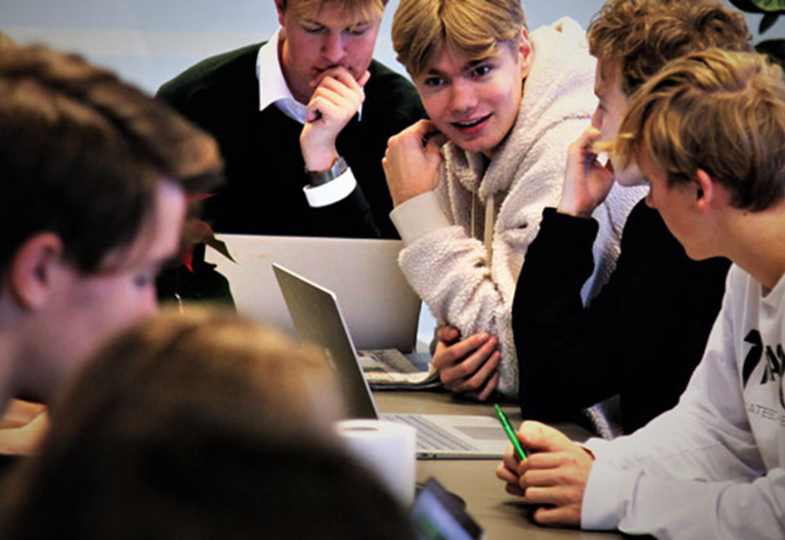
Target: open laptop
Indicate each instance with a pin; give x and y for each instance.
(380, 307)
(319, 320)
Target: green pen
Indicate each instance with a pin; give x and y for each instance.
(510, 432)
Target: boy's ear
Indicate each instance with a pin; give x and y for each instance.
(525, 50)
(35, 269)
(705, 191)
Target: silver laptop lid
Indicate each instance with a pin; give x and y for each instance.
(381, 309)
(317, 320)
(317, 316)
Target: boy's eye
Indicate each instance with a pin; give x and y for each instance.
(433, 81)
(479, 71)
(358, 30)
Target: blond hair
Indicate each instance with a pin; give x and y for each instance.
(719, 111)
(471, 27)
(346, 8)
(645, 34)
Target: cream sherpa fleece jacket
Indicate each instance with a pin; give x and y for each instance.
(466, 273)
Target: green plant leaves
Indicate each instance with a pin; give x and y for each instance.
(771, 10)
(746, 5)
(760, 6)
(768, 21)
(770, 5)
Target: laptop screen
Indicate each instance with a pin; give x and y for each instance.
(381, 309)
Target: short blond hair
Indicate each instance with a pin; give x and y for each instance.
(643, 35)
(347, 8)
(472, 27)
(719, 111)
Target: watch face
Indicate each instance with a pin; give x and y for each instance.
(339, 167)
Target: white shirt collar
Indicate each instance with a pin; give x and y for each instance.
(273, 89)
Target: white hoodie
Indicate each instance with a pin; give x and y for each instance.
(466, 272)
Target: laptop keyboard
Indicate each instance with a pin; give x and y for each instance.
(429, 435)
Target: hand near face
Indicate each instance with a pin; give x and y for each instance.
(467, 366)
(24, 439)
(586, 182)
(411, 163)
(336, 99)
(554, 475)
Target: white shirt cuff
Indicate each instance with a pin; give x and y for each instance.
(602, 505)
(418, 216)
(331, 192)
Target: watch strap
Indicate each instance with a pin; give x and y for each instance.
(319, 178)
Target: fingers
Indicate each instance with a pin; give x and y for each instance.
(337, 94)
(410, 169)
(447, 355)
(469, 366)
(416, 135)
(484, 380)
(456, 352)
(492, 383)
(447, 334)
(466, 365)
(342, 75)
(569, 515)
(423, 130)
(542, 438)
(331, 102)
(364, 78)
(438, 139)
(540, 461)
(433, 140)
(557, 496)
(587, 139)
(509, 461)
(508, 476)
(504, 473)
(583, 151)
(539, 478)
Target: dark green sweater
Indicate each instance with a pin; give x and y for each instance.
(264, 166)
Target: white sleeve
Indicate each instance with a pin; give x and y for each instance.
(638, 503)
(331, 192)
(418, 216)
(695, 471)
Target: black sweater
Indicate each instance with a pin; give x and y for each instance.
(641, 337)
(264, 165)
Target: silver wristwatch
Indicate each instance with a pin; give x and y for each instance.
(322, 177)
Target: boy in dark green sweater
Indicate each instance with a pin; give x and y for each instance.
(303, 122)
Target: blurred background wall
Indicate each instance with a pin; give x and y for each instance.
(150, 41)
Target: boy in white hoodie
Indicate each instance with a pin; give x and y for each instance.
(469, 185)
(708, 133)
